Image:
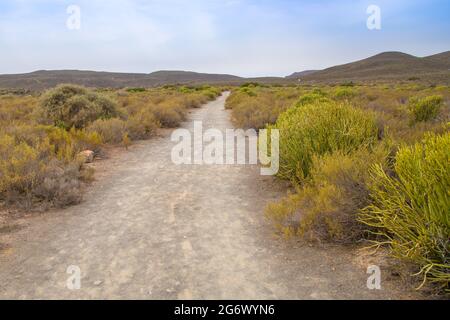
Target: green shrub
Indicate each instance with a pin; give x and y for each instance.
(248, 90)
(320, 128)
(425, 109)
(411, 207)
(133, 90)
(326, 206)
(250, 85)
(40, 165)
(344, 93)
(260, 109)
(212, 93)
(169, 114)
(142, 125)
(64, 145)
(110, 130)
(70, 106)
(310, 98)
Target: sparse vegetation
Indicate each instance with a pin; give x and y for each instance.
(40, 164)
(41, 136)
(353, 156)
(255, 107)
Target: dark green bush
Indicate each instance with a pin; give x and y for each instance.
(70, 106)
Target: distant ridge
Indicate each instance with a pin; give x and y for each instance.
(188, 76)
(442, 58)
(388, 66)
(298, 75)
(44, 79)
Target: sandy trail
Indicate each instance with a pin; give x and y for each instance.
(153, 230)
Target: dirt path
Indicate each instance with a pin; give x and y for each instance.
(154, 230)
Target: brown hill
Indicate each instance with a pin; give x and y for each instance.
(45, 79)
(388, 66)
(384, 66)
(298, 75)
(441, 58)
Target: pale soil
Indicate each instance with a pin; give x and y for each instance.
(148, 229)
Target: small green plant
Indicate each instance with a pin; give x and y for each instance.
(410, 210)
(249, 91)
(344, 93)
(310, 98)
(134, 90)
(425, 109)
(126, 141)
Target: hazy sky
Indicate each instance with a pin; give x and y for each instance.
(242, 37)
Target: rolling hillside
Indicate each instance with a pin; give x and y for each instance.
(388, 66)
(298, 75)
(45, 79)
(382, 67)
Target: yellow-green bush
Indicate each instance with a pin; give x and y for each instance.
(410, 208)
(169, 113)
(70, 106)
(39, 164)
(326, 206)
(142, 125)
(64, 145)
(110, 130)
(343, 93)
(261, 107)
(425, 109)
(168, 106)
(311, 97)
(320, 128)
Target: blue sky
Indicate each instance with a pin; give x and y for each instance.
(242, 37)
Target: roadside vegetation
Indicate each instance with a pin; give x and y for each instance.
(43, 136)
(367, 163)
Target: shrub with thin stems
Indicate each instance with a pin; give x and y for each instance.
(410, 210)
(425, 109)
(110, 130)
(320, 128)
(326, 206)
